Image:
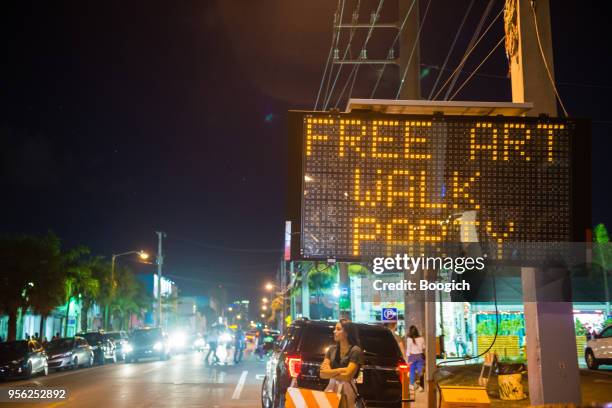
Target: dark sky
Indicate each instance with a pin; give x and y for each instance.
(122, 117)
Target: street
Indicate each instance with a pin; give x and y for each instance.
(182, 381)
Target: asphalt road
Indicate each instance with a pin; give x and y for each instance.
(182, 381)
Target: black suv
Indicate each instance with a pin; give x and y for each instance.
(103, 347)
(147, 343)
(300, 353)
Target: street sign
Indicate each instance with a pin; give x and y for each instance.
(389, 314)
(369, 184)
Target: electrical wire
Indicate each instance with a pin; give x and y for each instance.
(354, 19)
(416, 42)
(464, 71)
(494, 337)
(355, 70)
(399, 32)
(335, 38)
(452, 47)
(224, 248)
(550, 78)
(467, 54)
(484, 16)
(476, 69)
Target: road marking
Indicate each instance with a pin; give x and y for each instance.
(240, 385)
(260, 377)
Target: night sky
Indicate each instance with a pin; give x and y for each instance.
(122, 117)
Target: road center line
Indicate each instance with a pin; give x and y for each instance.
(240, 385)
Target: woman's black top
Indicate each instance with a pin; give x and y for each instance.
(354, 355)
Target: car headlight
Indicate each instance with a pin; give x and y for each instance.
(158, 346)
(67, 354)
(18, 361)
(127, 347)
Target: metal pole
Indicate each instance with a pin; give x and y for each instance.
(160, 262)
(112, 292)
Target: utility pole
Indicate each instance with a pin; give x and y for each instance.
(528, 72)
(554, 376)
(160, 263)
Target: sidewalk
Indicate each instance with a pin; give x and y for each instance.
(596, 386)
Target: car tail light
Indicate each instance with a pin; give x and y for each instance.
(294, 365)
(403, 367)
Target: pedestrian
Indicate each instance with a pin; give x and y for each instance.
(36, 337)
(44, 341)
(259, 348)
(415, 349)
(239, 345)
(342, 362)
(460, 345)
(213, 339)
(392, 326)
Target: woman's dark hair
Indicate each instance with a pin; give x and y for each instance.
(413, 333)
(351, 336)
(351, 332)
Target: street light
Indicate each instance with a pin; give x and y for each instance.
(141, 254)
(269, 287)
(264, 300)
(264, 307)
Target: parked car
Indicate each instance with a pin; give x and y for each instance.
(22, 359)
(148, 343)
(300, 353)
(599, 349)
(69, 352)
(102, 346)
(122, 343)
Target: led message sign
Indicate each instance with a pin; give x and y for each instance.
(373, 184)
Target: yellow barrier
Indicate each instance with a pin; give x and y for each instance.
(305, 398)
(464, 397)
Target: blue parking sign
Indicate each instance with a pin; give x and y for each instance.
(389, 314)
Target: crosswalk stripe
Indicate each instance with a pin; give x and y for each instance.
(240, 385)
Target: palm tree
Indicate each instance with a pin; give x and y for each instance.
(79, 280)
(89, 294)
(130, 298)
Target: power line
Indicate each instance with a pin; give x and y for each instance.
(476, 69)
(416, 42)
(355, 70)
(484, 16)
(224, 248)
(452, 47)
(552, 81)
(354, 19)
(399, 32)
(465, 57)
(464, 71)
(335, 38)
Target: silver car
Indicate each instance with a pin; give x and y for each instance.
(69, 352)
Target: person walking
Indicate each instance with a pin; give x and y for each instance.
(213, 340)
(239, 345)
(342, 362)
(415, 349)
